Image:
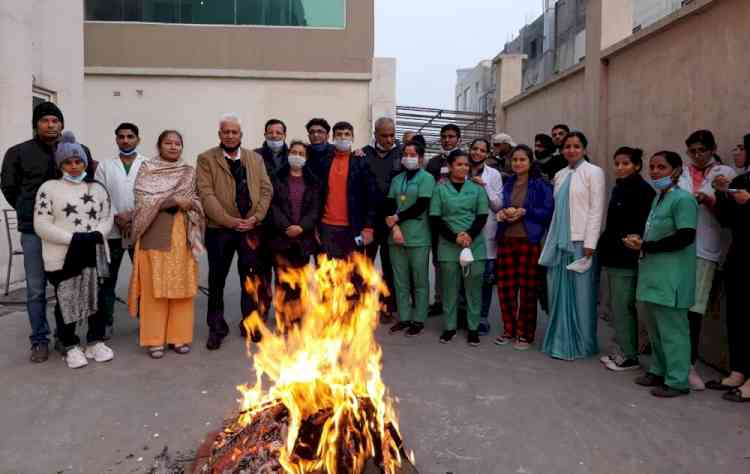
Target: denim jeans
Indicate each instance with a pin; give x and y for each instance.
(36, 287)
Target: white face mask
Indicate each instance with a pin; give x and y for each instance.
(343, 145)
(466, 258)
(297, 161)
(275, 145)
(74, 179)
(410, 162)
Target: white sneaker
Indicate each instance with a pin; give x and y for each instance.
(99, 352)
(75, 358)
(695, 380)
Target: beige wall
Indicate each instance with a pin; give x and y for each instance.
(133, 45)
(194, 105)
(539, 110)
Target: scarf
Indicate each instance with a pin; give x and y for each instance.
(159, 180)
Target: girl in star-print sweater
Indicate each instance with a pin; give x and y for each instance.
(71, 217)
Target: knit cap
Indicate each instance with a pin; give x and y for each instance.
(44, 109)
(69, 148)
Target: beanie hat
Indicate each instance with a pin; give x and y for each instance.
(44, 109)
(69, 148)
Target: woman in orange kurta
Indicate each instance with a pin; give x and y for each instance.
(168, 225)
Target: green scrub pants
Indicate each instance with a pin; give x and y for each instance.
(451, 275)
(669, 333)
(622, 287)
(411, 264)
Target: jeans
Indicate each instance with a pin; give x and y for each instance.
(107, 295)
(488, 285)
(36, 287)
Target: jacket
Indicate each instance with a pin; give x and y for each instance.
(316, 160)
(493, 186)
(628, 212)
(539, 205)
(267, 154)
(217, 190)
(435, 164)
(360, 191)
(708, 239)
(280, 213)
(383, 171)
(587, 196)
(26, 167)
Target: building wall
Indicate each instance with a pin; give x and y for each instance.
(473, 85)
(193, 106)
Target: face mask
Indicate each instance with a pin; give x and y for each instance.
(410, 162)
(318, 147)
(476, 162)
(382, 148)
(275, 145)
(296, 161)
(74, 179)
(128, 151)
(662, 183)
(343, 145)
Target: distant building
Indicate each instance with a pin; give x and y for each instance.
(475, 88)
(646, 12)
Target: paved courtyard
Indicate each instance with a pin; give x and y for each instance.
(463, 410)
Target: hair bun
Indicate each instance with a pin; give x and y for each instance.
(68, 137)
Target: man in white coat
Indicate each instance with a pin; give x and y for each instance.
(118, 176)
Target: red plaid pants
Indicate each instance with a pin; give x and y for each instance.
(517, 285)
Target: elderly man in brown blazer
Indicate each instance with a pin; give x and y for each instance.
(236, 192)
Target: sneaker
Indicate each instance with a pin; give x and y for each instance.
(484, 328)
(447, 336)
(39, 353)
(668, 392)
(614, 356)
(400, 326)
(503, 340)
(473, 338)
(100, 352)
(415, 329)
(696, 382)
(75, 358)
(623, 365)
(521, 345)
(649, 380)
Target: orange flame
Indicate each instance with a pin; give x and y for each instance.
(327, 360)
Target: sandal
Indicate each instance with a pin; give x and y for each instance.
(717, 385)
(181, 348)
(735, 395)
(156, 352)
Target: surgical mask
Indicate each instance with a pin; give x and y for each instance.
(465, 259)
(662, 183)
(318, 147)
(296, 161)
(74, 179)
(343, 145)
(128, 151)
(275, 145)
(410, 162)
(382, 148)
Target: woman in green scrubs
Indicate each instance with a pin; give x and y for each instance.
(666, 277)
(410, 239)
(459, 210)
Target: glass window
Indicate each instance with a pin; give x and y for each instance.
(301, 13)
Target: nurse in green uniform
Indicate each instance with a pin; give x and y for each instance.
(459, 211)
(410, 239)
(666, 277)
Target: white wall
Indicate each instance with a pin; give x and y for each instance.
(383, 89)
(193, 106)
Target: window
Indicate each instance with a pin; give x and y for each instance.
(39, 95)
(299, 13)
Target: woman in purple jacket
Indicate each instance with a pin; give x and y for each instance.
(528, 205)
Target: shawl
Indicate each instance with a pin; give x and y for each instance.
(159, 180)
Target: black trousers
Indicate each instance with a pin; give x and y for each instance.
(696, 326)
(66, 333)
(221, 246)
(738, 322)
(380, 242)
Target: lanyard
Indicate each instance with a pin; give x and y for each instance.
(404, 188)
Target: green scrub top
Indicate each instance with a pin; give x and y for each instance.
(668, 278)
(406, 192)
(459, 210)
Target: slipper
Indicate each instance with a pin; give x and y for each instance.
(735, 396)
(156, 352)
(181, 349)
(717, 385)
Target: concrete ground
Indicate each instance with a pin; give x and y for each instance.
(463, 410)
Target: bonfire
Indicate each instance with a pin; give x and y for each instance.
(318, 403)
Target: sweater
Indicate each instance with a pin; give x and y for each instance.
(64, 208)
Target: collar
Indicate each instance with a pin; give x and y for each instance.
(231, 158)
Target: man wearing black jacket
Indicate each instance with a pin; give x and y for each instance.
(384, 160)
(25, 168)
(274, 150)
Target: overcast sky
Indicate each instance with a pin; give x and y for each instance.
(430, 39)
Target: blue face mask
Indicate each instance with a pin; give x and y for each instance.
(318, 147)
(128, 151)
(662, 183)
(74, 179)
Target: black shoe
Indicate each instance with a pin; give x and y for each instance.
(473, 338)
(668, 392)
(484, 328)
(435, 310)
(39, 353)
(415, 329)
(214, 342)
(650, 380)
(386, 318)
(256, 336)
(400, 326)
(447, 336)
